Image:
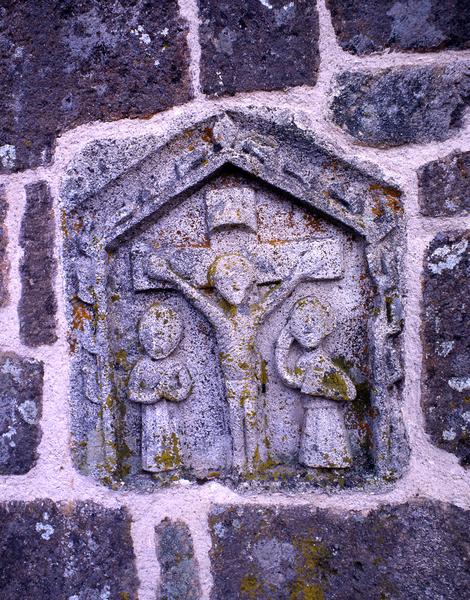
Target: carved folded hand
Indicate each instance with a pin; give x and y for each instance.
(175, 383)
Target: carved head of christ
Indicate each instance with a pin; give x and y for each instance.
(310, 321)
(233, 276)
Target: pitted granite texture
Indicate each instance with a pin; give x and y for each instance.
(444, 186)
(366, 26)
(179, 567)
(234, 308)
(21, 381)
(446, 326)
(38, 305)
(70, 62)
(255, 45)
(401, 105)
(4, 263)
(81, 551)
(410, 551)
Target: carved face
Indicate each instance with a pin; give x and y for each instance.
(160, 331)
(310, 322)
(232, 276)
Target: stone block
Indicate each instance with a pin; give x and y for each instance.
(65, 63)
(401, 105)
(4, 263)
(257, 45)
(446, 340)
(179, 567)
(444, 186)
(403, 552)
(79, 551)
(21, 381)
(236, 316)
(365, 26)
(38, 306)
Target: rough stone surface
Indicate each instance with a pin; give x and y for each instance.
(65, 63)
(21, 382)
(411, 551)
(446, 326)
(401, 105)
(257, 45)
(4, 264)
(179, 568)
(77, 551)
(365, 26)
(444, 186)
(233, 297)
(38, 306)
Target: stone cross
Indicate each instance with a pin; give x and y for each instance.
(233, 266)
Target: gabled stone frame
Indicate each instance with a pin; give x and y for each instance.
(103, 202)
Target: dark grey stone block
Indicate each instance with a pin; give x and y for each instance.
(365, 26)
(21, 381)
(255, 45)
(444, 186)
(446, 324)
(411, 551)
(179, 568)
(70, 62)
(401, 105)
(38, 306)
(81, 551)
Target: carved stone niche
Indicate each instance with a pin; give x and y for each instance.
(234, 307)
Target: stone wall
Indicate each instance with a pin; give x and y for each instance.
(346, 125)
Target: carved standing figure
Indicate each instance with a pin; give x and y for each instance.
(236, 316)
(325, 387)
(156, 380)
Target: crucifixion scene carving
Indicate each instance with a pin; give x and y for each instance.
(230, 331)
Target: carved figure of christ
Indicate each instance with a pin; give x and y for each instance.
(236, 323)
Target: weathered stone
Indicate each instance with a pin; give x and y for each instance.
(233, 296)
(257, 45)
(38, 306)
(69, 62)
(406, 552)
(401, 105)
(21, 382)
(444, 186)
(365, 26)
(179, 568)
(4, 264)
(81, 551)
(446, 323)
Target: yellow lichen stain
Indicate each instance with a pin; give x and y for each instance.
(170, 457)
(310, 568)
(392, 199)
(250, 587)
(63, 223)
(208, 135)
(121, 359)
(80, 314)
(264, 373)
(335, 381)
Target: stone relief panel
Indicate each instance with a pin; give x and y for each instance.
(234, 309)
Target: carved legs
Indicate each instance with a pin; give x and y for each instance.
(324, 440)
(242, 396)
